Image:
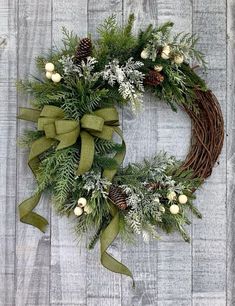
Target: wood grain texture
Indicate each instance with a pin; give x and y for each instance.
(230, 152)
(209, 234)
(32, 247)
(8, 101)
(53, 269)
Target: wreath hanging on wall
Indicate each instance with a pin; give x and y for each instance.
(72, 151)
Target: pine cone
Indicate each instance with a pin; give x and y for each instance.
(153, 78)
(152, 186)
(118, 197)
(84, 50)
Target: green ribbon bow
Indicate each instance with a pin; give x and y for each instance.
(102, 124)
(51, 120)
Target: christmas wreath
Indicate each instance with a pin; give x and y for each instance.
(72, 151)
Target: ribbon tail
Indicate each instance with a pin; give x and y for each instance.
(26, 207)
(107, 237)
(111, 231)
(28, 216)
(87, 153)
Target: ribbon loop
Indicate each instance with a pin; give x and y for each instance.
(29, 114)
(92, 123)
(52, 111)
(110, 115)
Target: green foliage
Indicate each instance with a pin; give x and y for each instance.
(178, 86)
(82, 97)
(42, 92)
(114, 41)
(144, 215)
(57, 172)
(185, 44)
(104, 147)
(70, 42)
(105, 162)
(29, 137)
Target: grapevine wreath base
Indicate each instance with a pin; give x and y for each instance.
(73, 156)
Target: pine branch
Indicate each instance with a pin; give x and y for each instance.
(103, 147)
(29, 137)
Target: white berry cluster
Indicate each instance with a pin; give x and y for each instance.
(182, 199)
(82, 207)
(165, 54)
(172, 197)
(51, 74)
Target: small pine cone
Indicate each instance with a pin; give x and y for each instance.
(84, 50)
(152, 186)
(118, 197)
(153, 78)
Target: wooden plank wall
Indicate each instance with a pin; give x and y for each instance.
(51, 269)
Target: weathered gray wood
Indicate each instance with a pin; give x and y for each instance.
(52, 269)
(68, 279)
(230, 152)
(32, 247)
(209, 235)
(8, 100)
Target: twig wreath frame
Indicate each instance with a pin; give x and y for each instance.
(73, 156)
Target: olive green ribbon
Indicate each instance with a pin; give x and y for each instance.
(110, 233)
(50, 119)
(102, 124)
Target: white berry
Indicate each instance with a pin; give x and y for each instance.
(171, 196)
(158, 68)
(56, 77)
(49, 67)
(162, 208)
(87, 209)
(82, 202)
(178, 59)
(174, 209)
(166, 52)
(49, 74)
(183, 199)
(78, 211)
(144, 54)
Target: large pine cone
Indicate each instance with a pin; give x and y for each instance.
(118, 197)
(153, 78)
(84, 50)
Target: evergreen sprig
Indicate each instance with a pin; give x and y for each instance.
(114, 41)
